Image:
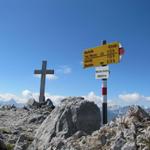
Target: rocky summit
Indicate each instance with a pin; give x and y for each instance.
(18, 126)
(73, 125)
(73, 115)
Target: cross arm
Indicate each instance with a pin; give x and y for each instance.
(49, 71)
(37, 71)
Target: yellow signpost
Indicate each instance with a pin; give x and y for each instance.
(101, 55)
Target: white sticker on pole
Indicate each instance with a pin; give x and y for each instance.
(102, 72)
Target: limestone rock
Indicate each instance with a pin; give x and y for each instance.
(70, 127)
(74, 114)
(14, 125)
(129, 146)
(2, 145)
(125, 133)
(119, 142)
(32, 103)
(138, 113)
(49, 103)
(23, 142)
(38, 119)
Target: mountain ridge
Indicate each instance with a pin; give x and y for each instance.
(11, 102)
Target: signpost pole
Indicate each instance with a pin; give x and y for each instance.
(100, 57)
(104, 95)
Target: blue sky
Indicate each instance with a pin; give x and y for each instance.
(59, 31)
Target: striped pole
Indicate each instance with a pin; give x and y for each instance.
(104, 95)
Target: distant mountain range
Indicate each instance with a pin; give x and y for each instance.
(11, 102)
(116, 112)
(120, 111)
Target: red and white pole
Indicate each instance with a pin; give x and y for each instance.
(104, 95)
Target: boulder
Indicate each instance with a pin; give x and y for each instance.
(49, 103)
(74, 114)
(32, 103)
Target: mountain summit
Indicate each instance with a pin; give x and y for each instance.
(74, 124)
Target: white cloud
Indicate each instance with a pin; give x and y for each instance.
(8, 96)
(64, 69)
(52, 77)
(27, 94)
(133, 97)
(56, 99)
(129, 98)
(91, 96)
(23, 98)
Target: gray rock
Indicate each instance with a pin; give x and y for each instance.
(2, 145)
(139, 113)
(36, 119)
(70, 127)
(49, 103)
(1, 136)
(79, 134)
(103, 140)
(57, 143)
(119, 142)
(32, 103)
(72, 115)
(130, 136)
(22, 142)
(129, 146)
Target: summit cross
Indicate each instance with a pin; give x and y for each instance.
(43, 73)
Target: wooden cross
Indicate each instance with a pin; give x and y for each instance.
(43, 73)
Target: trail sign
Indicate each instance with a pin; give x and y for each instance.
(102, 72)
(101, 55)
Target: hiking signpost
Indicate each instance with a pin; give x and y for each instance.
(99, 57)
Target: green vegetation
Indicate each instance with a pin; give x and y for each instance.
(10, 146)
(5, 131)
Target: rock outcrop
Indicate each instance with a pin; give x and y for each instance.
(74, 125)
(32, 103)
(129, 132)
(18, 126)
(73, 115)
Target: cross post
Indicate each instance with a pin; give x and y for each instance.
(43, 73)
